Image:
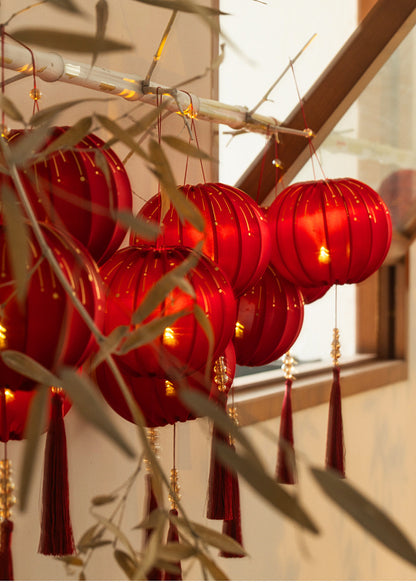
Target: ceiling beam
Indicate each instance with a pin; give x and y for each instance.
(348, 74)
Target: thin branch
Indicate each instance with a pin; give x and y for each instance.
(158, 53)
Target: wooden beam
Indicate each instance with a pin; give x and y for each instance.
(367, 49)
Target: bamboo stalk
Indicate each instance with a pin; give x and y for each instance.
(52, 67)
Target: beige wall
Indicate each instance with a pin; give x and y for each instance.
(379, 425)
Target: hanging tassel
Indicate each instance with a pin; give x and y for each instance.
(232, 524)
(150, 498)
(220, 482)
(7, 500)
(173, 534)
(335, 452)
(56, 537)
(285, 467)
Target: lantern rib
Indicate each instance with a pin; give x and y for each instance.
(52, 67)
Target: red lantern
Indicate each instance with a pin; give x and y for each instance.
(48, 327)
(159, 399)
(183, 347)
(311, 294)
(328, 232)
(236, 235)
(70, 190)
(269, 319)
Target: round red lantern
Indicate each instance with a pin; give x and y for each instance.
(311, 294)
(48, 327)
(69, 189)
(183, 347)
(236, 235)
(159, 399)
(269, 319)
(328, 232)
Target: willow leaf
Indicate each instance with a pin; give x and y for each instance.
(121, 134)
(72, 560)
(149, 332)
(17, 238)
(117, 532)
(10, 109)
(47, 115)
(206, 326)
(101, 19)
(162, 288)
(141, 125)
(35, 426)
(209, 536)
(91, 406)
(109, 345)
(172, 552)
(61, 40)
(27, 366)
(184, 6)
(146, 229)
(22, 151)
(266, 486)
(184, 207)
(103, 499)
(185, 147)
(369, 516)
(151, 550)
(217, 573)
(66, 5)
(126, 563)
(70, 138)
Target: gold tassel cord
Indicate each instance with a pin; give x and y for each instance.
(7, 498)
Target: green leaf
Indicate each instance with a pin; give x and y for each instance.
(209, 536)
(206, 326)
(146, 229)
(121, 134)
(266, 486)
(17, 239)
(35, 426)
(126, 563)
(10, 109)
(109, 345)
(369, 516)
(103, 499)
(47, 115)
(184, 207)
(91, 406)
(185, 147)
(217, 573)
(61, 40)
(148, 332)
(27, 366)
(70, 138)
(167, 283)
(101, 19)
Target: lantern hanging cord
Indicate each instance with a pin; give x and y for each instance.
(52, 67)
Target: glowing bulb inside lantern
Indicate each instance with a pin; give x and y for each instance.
(239, 330)
(3, 331)
(324, 256)
(9, 395)
(169, 337)
(169, 388)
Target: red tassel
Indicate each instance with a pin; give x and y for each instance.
(285, 469)
(6, 562)
(335, 452)
(232, 527)
(220, 485)
(173, 537)
(150, 505)
(56, 536)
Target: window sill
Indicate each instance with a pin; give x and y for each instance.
(259, 396)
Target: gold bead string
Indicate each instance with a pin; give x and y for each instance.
(288, 366)
(233, 414)
(335, 352)
(175, 488)
(7, 498)
(221, 378)
(153, 439)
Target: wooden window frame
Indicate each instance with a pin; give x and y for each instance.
(382, 324)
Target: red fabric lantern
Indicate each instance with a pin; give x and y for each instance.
(183, 347)
(70, 190)
(311, 294)
(269, 319)
(328, 232)
(159, 399)
(236, 235)
(48, 327)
